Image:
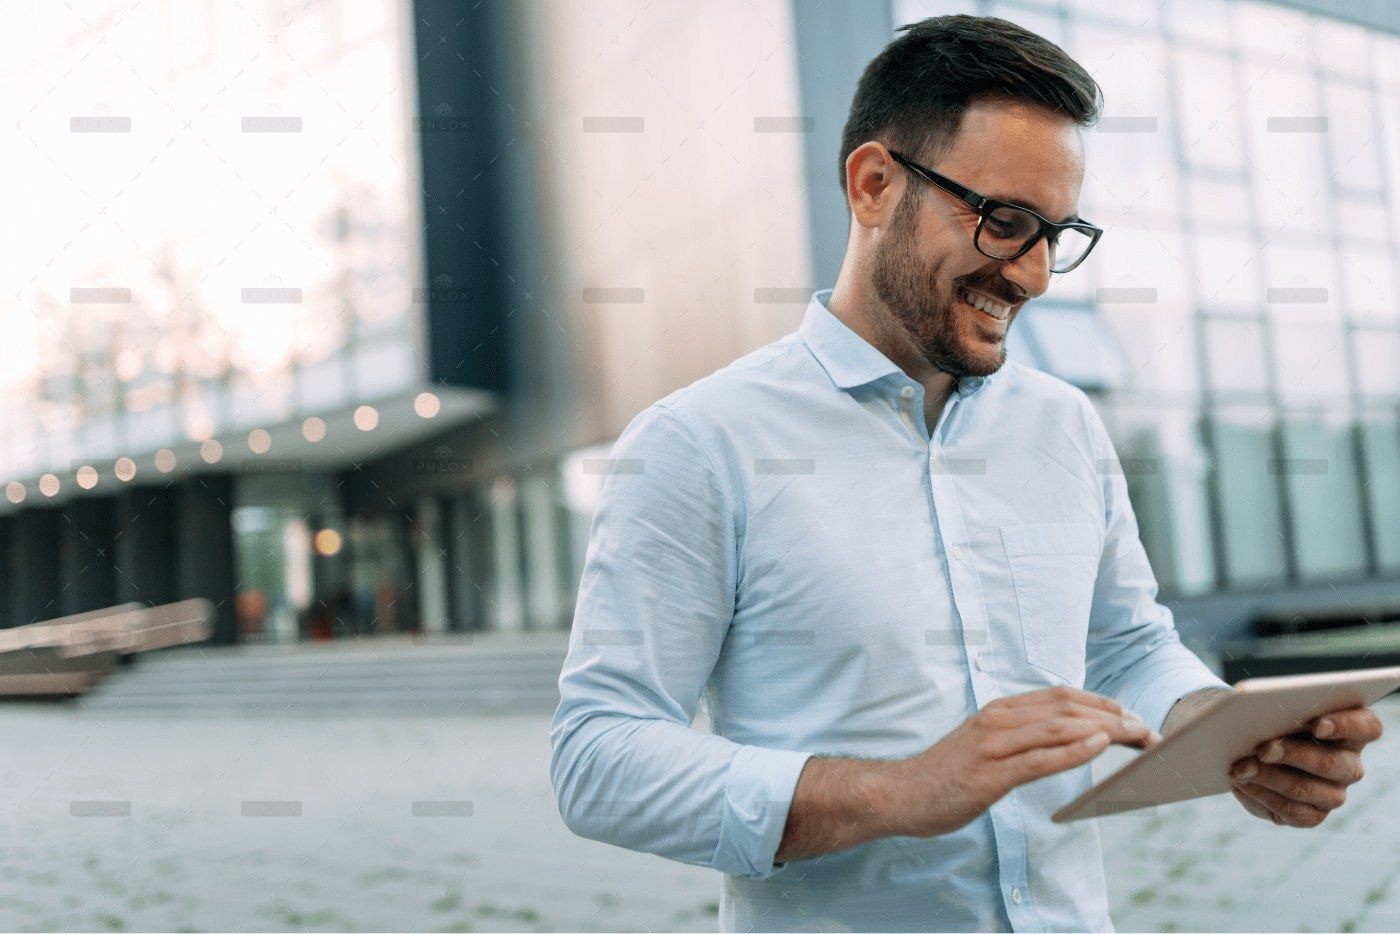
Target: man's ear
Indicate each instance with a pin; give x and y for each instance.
(874, 184)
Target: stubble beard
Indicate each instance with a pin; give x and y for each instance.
(924, 310)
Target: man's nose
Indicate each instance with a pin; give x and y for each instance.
(1031, 270)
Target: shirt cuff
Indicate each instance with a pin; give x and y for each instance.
(1154, 701)
(757, 796)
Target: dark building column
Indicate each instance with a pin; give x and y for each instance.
(464, 125)
(468, 538)
(35, 537)
(86, 556)
(144, 544)
(404, 536)
(204, 548)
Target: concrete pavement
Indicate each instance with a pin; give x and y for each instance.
(144, 819)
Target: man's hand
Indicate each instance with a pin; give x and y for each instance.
(841, 803)
(1295, 780)
(1011, 741)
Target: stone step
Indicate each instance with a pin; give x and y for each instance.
(447, 671)
(516, 676)
(359, 702)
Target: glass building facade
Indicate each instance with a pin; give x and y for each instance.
(226, 280)
(1245, 171)
(218, 326)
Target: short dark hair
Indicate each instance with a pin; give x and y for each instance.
(912, 96)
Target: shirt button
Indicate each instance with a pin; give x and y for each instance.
(1016, 896)
(907, 392)
(957, 552)
(982, 666)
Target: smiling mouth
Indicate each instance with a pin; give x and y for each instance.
(987, 305)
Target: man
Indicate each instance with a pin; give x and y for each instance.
(903, 573)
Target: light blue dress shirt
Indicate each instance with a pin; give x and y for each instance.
(787, 538)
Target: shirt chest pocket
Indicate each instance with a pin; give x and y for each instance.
(1053, 568)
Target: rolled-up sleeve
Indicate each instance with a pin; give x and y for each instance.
(1134, 654)
(654, 605)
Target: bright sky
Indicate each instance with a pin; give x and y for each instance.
(188, 195)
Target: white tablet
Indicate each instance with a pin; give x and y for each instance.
(1195, 761)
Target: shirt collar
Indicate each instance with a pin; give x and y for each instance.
(848, 358)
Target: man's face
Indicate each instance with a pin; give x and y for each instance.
(927, 271)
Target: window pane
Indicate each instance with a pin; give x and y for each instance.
(1251, 525)
(1380, 452)
(1221, 206)
(1363, 221)
(1076, 345)
(1272, 34)
(1288, 171)
(1129, 259)
(1203, 21)
(1351, 135)
(1165, 466)
(1370, 286)
(1160, 346)
(1130, 148)
(1236, 352)
(1385, 53)
(1323, 495)
(911, 11)
(1136, 14)
(1229, 273)
(1301, 279)
(1207, 106)
(1377, 353)
(1311, 360)
(1389, 105)
(1343, 46)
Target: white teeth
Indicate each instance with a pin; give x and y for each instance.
(984, 304)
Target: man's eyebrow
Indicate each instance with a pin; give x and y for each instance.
(1071, 219)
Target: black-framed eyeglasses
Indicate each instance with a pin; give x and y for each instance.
(1006, 231)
